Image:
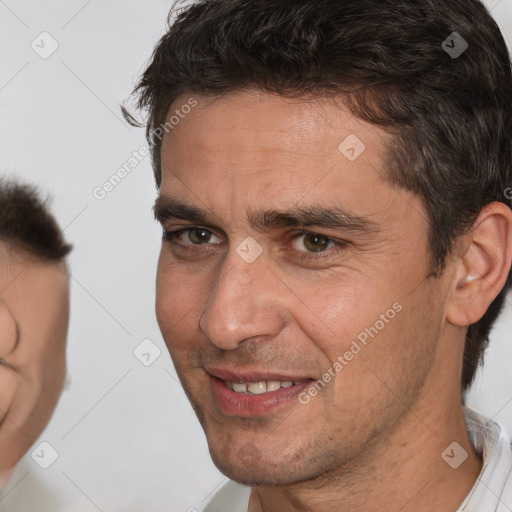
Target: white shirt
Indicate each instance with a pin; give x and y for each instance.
(492, 491)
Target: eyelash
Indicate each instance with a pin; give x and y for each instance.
(172, 236)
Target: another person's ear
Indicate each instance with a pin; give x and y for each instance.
(483, 264)
(8, 330)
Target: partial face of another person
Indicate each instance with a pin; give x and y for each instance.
(282, 249)
(34, 314)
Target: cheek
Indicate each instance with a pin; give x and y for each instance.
(9, 383)
(393, 358)
(334, 312)
(376, 339)
(49, 339)
(54, 370)
(179, 297)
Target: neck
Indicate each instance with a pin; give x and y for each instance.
(405, 470)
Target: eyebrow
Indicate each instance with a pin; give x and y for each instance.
(167, 208)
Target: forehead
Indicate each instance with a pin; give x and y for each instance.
(255, 147)
(21, 273)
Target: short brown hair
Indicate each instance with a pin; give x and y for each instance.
(27, 224)
(451, 115)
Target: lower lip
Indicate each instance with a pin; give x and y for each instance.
(238, 404)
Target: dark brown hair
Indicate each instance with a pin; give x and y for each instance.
(389, 61)
(26, 223)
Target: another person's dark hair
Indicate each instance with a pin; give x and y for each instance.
(451, 117)
(27, 224)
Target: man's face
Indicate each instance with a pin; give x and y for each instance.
(34, 315)
(230, 314)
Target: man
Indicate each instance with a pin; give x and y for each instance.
(34, 313)
(337, 246)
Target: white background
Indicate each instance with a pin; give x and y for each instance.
(126, 436)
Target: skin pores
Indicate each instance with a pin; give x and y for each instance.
(299, 305)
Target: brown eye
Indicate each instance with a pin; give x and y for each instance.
(199, 236)
(190, 237)
(312, 242)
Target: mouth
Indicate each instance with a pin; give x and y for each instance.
(260, 387)
(254, 394)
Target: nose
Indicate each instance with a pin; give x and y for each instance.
(242, 304)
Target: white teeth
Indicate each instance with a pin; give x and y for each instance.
(258, 388)
(273, 385)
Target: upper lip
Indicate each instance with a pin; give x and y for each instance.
(246, 375)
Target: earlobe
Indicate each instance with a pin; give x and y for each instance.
(8, 330)
(483, 267)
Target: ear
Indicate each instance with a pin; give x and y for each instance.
(483, 265)
(8, 330)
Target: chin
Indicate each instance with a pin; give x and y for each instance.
(250, 467)
(258, 476)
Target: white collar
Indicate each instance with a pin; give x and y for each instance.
(492, 492)
(493, 489)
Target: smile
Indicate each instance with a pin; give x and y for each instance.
(261, 387)
(255, 394)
